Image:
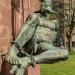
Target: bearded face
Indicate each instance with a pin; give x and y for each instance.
(46, 5)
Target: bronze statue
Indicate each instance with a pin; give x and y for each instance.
(35, 42)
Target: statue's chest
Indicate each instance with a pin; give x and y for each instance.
(43, 34)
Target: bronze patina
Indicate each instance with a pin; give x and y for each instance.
(35, 42)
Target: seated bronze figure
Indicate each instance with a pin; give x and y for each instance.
(35, 42)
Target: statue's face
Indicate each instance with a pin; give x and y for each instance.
(46, 5)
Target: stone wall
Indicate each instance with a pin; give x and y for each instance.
(5, 26)
(21, 12)
(13, 14)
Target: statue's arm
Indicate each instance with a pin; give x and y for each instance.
(49, 55)
(52, 24)
(27, 30)
(26, 33)
(56, 23)
(23, 37)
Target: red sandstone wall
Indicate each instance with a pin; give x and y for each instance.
(6, 22)
(29, 6)
(5, 25)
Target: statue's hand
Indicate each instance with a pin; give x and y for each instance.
(15, 60)
(19, 70)
(12, 59)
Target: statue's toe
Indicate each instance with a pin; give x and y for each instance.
(14, 68)
(20, 71)
(15, 61)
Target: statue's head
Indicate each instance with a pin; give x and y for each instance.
(46, 6)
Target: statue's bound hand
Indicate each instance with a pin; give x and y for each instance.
(12, 57)
(19, 69)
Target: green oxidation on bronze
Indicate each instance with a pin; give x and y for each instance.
(35, 42)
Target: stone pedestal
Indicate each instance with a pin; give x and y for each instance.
(34, 71)
(30, 71)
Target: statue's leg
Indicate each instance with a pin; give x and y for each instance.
(52, 52)
(24, 36)
(45, 57)
(46, 46)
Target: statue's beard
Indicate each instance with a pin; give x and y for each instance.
(45, 13)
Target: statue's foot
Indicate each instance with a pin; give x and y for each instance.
(17, 70)
(18, 64)
(13, 69)
(20, 71)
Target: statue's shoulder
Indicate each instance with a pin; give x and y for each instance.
(33, 15)
(55, 22)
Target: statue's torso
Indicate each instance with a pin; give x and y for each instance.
(45, 32)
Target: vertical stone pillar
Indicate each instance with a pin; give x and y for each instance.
(5, 27)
